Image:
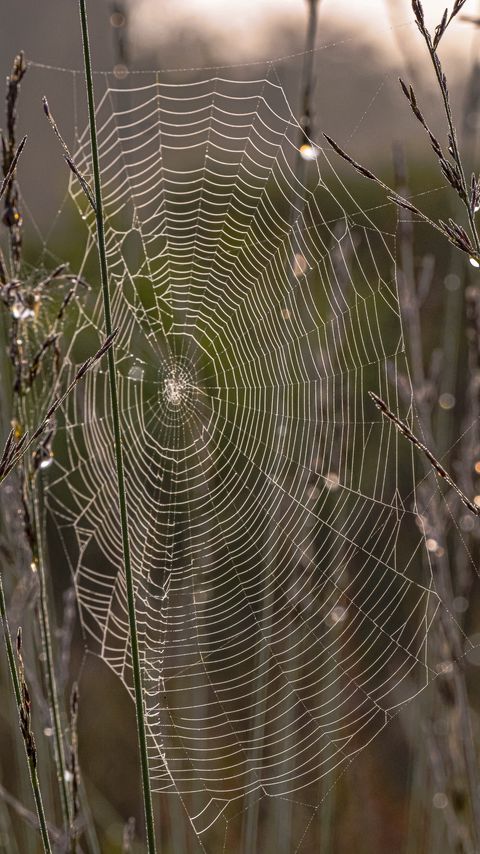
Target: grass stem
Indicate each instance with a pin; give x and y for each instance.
(49, 664)
(122, 498)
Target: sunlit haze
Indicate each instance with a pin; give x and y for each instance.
(241, 29)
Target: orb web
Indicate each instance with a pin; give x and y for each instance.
(282, 615)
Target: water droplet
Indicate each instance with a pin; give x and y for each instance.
(120, 71)
(446, 401)
(117, 20)
(47, 462)
(20, 311)
(310, 152)
(332, 481)
(440, 800)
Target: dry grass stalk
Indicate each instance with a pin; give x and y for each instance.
(404, 429)
(452, 762)
(12, 216)
(15, 448)
(23, 702)
(23, 302)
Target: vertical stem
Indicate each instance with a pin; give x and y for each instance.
(418, 788)
(49, 660)
(12, 664)
(283, 811)
(122, 498)
(326, 812)
(93, 845)
(307, 71)
(453, 330)
(249, 844)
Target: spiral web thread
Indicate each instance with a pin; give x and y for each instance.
(282, 611)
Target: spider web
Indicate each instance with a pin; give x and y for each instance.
(282, 615)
